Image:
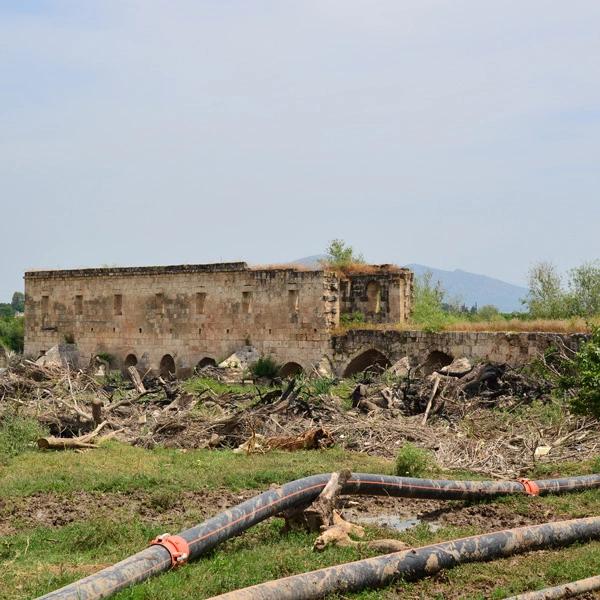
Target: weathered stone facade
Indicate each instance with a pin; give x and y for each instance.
(173, 318)
(354, 349)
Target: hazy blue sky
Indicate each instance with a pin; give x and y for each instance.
(455, 134)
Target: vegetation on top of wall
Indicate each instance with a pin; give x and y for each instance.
(551, 307)
(340, 255)
(352, 318)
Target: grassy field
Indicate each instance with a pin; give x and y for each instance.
(66, 515)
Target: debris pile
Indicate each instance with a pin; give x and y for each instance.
(447, 412)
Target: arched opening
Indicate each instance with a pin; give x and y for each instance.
(373, 297)
(290, 369)
(371, 361)
(167, 366)
(435, 361)
(130, 361)
(206, 362)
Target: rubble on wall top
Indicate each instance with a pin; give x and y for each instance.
(156, 270)
(352, 270)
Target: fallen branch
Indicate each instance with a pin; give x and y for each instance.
(81, 442)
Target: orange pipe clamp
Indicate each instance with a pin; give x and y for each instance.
(531, 487)
(175, 545)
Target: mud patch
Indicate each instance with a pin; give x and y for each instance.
(170, 508)
(484, 516)
(165, 508)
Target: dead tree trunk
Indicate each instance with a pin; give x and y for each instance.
(137, 380)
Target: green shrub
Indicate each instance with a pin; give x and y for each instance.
(12, 333)
(353, 318)
(106, 357)
(321, 385)
(412, 461)
(265, 366)
(428, 304)
(581, 380)
(16, 435)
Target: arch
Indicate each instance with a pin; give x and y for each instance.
(167, 366)
(372, 361)
(435, 361)
(373, 296)
(290, 369)
(207, 361)
(130, 361)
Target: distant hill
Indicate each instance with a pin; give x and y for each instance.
(470, 288)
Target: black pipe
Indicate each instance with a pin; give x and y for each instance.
(232, 522)
(419, 562)
(567, 590)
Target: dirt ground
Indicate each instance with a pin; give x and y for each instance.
(58, 510)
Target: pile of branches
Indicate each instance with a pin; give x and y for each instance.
(447, 412)
(75, 405)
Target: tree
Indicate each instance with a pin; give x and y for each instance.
(428, 303)
(580, 377)
(12, 333)
(584, 290)
(546, 298)
(488, 312)
(340, 255)
(18, 302)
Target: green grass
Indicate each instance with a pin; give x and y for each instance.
(39, 559)
(17, 435)
(120, 468)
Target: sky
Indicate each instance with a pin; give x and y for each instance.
(461, 134)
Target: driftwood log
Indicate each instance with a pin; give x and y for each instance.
(83, 442)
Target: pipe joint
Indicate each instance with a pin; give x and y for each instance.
(176, 546)
(531, 487)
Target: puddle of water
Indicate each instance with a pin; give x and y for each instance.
(394, 522)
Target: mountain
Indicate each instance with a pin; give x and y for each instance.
(312, 262)
(470, 288)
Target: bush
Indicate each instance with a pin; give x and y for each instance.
(581, 380)
(16, 434)
(353, 318)
(428, 304)
(12, 333)
(265, 366)
(341, 255)
(412, 461)
(321, 385)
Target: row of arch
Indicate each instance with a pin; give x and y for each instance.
(375, 361)
(371, 360)
(167, 367)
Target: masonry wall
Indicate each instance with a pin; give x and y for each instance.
(383, 297)
(189, 312)
(512, 348)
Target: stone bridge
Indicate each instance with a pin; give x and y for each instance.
(359, 349)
